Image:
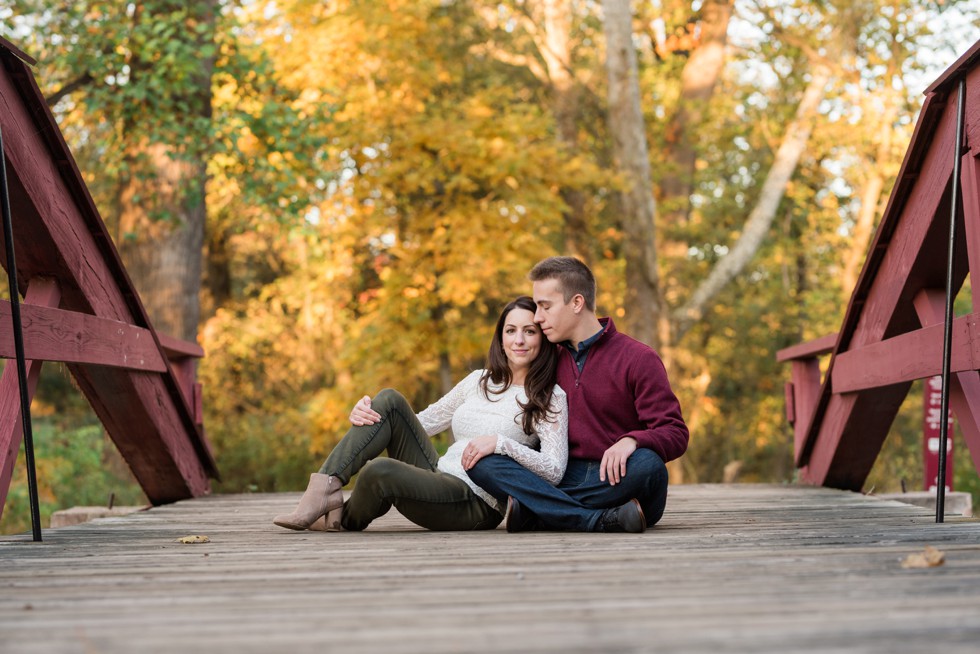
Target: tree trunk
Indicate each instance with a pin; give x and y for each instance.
(164, 257)
(218, 276)
(632, 160)
(759, 220)
(556, 50)
(698, 79)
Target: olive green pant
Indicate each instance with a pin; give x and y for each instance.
(407, 479)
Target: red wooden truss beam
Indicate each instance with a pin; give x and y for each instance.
(891, 334)
(140, 384)
(803, 392)
(56, 335)
(920, 356)
(45, 293)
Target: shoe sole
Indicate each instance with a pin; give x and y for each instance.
(641, 516)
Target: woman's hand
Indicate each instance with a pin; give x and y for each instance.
(362, 413)
(478, 448)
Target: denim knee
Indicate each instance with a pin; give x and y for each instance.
(653, 492)
(484, 472)
(651, 468)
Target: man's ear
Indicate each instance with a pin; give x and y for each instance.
(578, 303)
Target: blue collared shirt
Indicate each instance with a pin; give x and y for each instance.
(582, 352)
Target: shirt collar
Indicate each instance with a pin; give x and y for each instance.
(586, 344)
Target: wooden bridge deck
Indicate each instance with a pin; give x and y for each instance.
(740, 568)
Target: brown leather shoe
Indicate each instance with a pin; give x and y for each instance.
(519, 518)
(627, 518)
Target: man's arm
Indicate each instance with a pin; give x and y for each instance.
(657, 407)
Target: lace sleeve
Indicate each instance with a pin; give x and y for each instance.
(437, 417)
(550, 462)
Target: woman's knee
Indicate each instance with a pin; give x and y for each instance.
(389, 399)
(376, 472)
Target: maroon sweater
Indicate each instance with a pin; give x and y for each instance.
(621, 391)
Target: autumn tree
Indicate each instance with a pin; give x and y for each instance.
(140, 76)
(381, 175)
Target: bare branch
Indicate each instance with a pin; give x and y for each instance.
(83, 80)
(760, 219)
(491, 49)
(811, 53)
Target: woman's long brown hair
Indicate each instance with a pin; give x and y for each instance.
(540, 381)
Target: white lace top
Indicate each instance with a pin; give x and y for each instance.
(471, 414)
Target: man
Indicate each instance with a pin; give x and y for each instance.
(624, 420)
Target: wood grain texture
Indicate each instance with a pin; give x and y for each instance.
(731, 568)
(56, 335)
(42, 292)
(913, 355)
(908, 255)
(58, 232)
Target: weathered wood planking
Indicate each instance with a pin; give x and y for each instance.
(740, 568)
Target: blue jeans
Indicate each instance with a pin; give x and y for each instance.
(578, 501)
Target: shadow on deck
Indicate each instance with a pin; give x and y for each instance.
(735, 568)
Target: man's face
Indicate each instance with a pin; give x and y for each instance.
(556, 317)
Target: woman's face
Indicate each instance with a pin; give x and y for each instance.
(522, 338)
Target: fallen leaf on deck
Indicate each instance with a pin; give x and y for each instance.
(190, 540)
(930, 557)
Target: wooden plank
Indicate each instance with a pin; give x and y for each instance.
(848, 430)
(854, 430)
(23, 56)
(147, 416)
(964, 387)
(946, 82)
(748, 568)
(970, 190)
(42, 292)
(907, 357)
(806, 394)
(52, 334)
(816, 347)
(176, 348)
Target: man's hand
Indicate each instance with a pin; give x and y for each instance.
(362, 413)
(613, 464)
(478, 448)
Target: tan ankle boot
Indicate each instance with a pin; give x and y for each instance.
(323, 495)
(329, 522)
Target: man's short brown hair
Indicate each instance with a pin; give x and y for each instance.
(573, 276)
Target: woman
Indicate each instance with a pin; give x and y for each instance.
(513, 407)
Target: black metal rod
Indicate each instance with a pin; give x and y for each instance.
(948, 331)
(25, 398)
